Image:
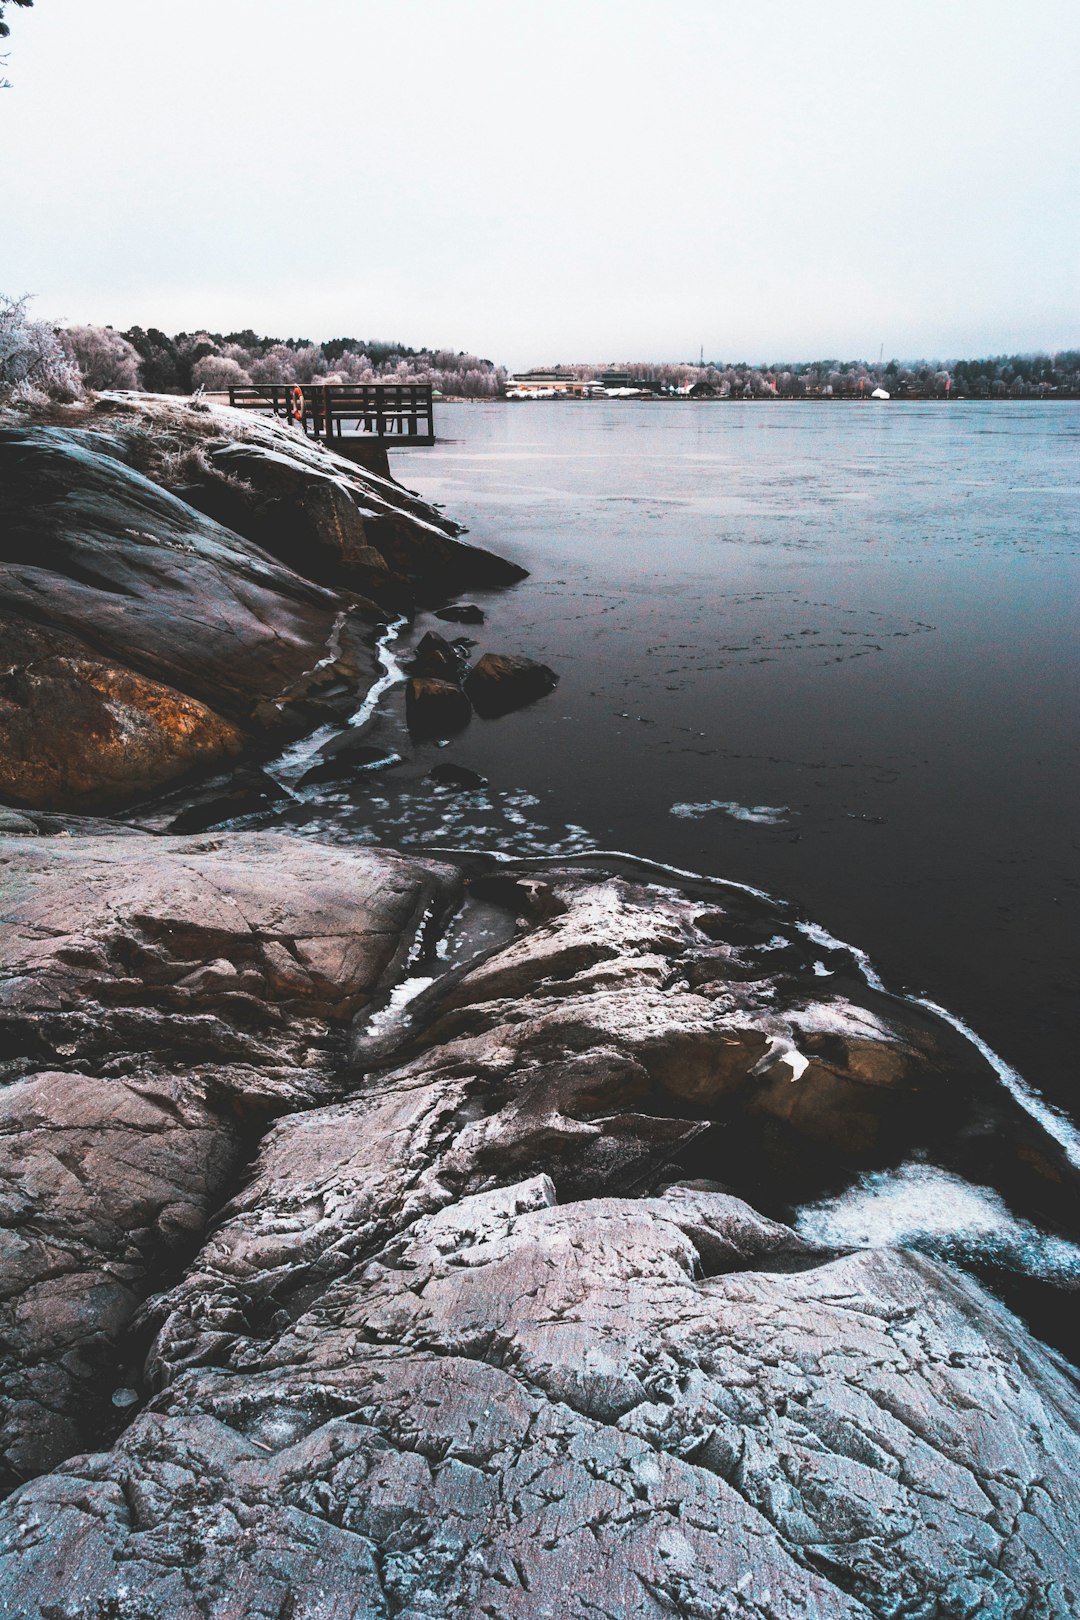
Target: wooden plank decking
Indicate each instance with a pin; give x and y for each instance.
(394, 414)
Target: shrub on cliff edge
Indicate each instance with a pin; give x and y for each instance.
(35, 368)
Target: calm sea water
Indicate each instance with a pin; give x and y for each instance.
(827, 650)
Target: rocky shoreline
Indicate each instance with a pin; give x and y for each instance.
(391, 1235)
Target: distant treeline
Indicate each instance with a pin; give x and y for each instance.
(40, 359)
(1003, 376)
(216, 360)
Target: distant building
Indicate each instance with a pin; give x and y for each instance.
(620, 383)
(542, 384)
(555, 383)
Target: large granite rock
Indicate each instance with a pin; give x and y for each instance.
(331, 524)
(506, 1406)
(95, 549)
(80, 732)
(201, 950)
(472, 1341)
(160, 998)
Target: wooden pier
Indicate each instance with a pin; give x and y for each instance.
(395, 415)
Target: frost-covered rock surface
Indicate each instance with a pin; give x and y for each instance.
(481, 1338)
(159, 999)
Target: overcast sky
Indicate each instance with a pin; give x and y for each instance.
(543, 180)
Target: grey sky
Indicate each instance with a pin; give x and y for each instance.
(538, 180)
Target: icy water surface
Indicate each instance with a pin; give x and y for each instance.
(828, 650)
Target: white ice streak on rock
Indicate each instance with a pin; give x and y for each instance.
(388, 1017)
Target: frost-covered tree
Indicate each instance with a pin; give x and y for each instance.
(282, 364)
(218, 371)
(105, 358)
(34, 365)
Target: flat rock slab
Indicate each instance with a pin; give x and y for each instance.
(103, 1183)
(114, 943)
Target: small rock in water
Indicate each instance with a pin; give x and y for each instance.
(459, 776)
(124, 1398)
(462, 613)
(435, 656)
(345, 754)
(249, 791)
(434, 708)
(500, 682)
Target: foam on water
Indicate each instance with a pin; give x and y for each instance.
(1052, 1120)
(769, 815)
(392, 672)
(920, 1206)
(1056, 1124)
(704, 878)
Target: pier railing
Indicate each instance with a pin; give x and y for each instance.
(393, 413)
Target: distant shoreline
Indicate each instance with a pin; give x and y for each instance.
(777, 399)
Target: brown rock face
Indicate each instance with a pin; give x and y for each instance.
(332, 523)
(498, 683)
(851, 1090)
(310, 520)
(79, 733)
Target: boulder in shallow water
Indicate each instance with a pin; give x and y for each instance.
(436, 656)
(248, 790)
(435, 708)
(461, 613)
(447, 774)
(346, 755)
(499, 682)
